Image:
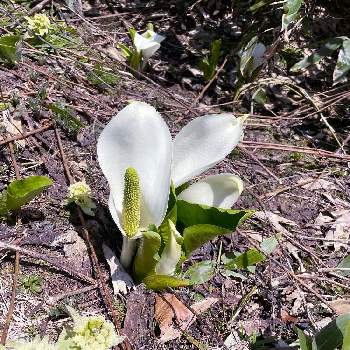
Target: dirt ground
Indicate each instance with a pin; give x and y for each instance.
(296, 178)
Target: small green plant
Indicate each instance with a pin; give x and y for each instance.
(291, 12)
(145, 46)
(334, 335)
(9, 48)
(39, 24)
(63, 115)
(86, 333)
(342, 68)
(101, 77)
(162, 221)
(208, 64)
(251, 59)
(80, 194)
(20, 192)
(33, 283)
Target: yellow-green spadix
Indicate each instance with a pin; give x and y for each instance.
(131, 203)
(138, 137)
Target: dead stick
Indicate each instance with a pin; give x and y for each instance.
(51, 261)
(25, 134)
(16, 273)
(38, 7)
(12, 301)
(289, 148)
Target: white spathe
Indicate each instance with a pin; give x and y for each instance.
(148, 43)
(221, 191)
(138, 137)
(202, 143)
(258, 55)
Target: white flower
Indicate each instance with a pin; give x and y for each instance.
(137, 137)
(147, 43)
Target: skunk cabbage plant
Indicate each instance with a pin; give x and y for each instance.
(145, 46)
(161, 217)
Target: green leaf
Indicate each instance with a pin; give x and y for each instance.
(344, 264)
(343, 64)
(346, 340)
(159, 282)
(126, 51)
(170, 215)
(197, 235)
(260, 96)
(147, 255)
(208, 64)
(20, 192)
(331, 336)
(305, 341)
(258, 4)
(326, 50)
(190, 214)
(268, 245)
(100, 76)
(172, 251)
(9, 48)
(246, 62)
(200, 272)
(3, 204)
(291, 12)
(63, 115)
(249, 258)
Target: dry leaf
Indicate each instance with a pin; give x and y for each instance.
(121, 280)
(319, 184)
(275, 220)
(341, 306)
(338, 233)
(12, 125)
(287, 317)
(167, 308)
(234, 342)
(204, 305)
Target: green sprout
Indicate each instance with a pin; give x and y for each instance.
(80, 194)
(88, 332)
(39, 24)
(33, 283)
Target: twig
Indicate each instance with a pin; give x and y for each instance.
(251, 155)
(16, 272)
(289, 148)
(38, 7)
(207, 86)
(27, 252)
(12, 301)
(25, 134)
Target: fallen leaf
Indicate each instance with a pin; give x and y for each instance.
(121, 280)
(254, 326)
(319, 184)
(339, 231)
(167, 308)
(287, 317)
(12, 125)
(234, 342)
(275, 220)
(341, 306)
(204, 305)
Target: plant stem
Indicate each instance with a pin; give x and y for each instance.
(128, 251)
